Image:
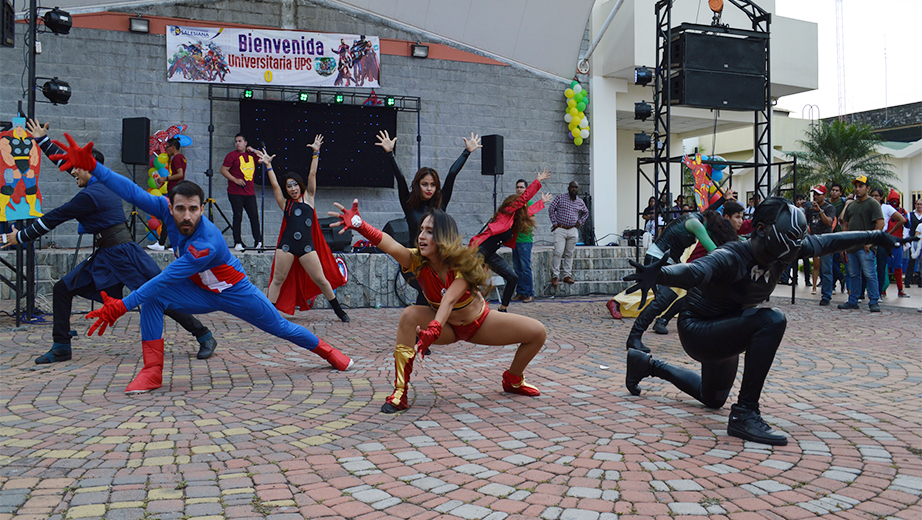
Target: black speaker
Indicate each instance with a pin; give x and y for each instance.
(720, 90)
(7, 24)
(718, 53)
(135, 140)
(336, 241)
(491, 156)
(399, 230)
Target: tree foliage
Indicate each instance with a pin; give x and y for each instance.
(837, 152)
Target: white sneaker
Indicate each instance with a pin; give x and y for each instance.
(156, 247)
(259, 245)
(238, 247)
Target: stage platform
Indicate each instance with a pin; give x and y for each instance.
(373, 278)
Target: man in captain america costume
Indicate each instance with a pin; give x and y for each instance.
(116, 262)
(204, 278)
(721, 319)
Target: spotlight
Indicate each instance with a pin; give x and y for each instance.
(57, 91)
(642, 141)
(248, 93)
(58, 21)
(642, 76)
(303, 96)
(139, 25)
(390, 101)
(338, 99)
(419, 51)
(642, 110)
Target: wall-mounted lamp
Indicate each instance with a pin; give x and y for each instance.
(419, 51)
(139, 25)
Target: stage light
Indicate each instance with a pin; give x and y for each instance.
(642, 141)
(248, 93)
(642, 76)
(303, 96)
(139, 25)
(57, 91)
(642, 110)
(390, 101)
(338, 99)
(58, 21)
(419, 51)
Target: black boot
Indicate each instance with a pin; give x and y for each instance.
(664, 297)
(638, 367)
(747, 424)
(339, 310)
(207, 344)
(58, 352)
(659, 326)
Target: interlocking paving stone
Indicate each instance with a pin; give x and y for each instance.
(262, 422)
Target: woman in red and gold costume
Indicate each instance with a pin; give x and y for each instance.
(453, 279)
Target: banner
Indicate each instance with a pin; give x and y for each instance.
(20, 162)
(267, 57)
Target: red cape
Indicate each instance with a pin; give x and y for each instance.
(299, 290)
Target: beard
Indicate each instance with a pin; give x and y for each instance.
(186, 228)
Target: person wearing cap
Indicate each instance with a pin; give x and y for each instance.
(821, 216)
(895, 218)
(862, 214)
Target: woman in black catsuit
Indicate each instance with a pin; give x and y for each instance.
(427, 191)
(297, 202)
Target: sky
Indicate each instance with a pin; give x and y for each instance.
(872, 28)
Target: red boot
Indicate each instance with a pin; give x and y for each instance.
(151, 376)
(516, 385)
(337, 359)
(613, 309)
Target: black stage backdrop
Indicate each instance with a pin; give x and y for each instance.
(348, 156)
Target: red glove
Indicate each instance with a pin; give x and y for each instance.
(352, 220)
(112, 309)
(427, 337)
(75, 156)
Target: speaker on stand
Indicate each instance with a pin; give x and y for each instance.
(135, 149)
(491, 157)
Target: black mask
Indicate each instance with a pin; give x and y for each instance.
(783, 239)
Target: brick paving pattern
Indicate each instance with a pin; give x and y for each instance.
(266, 430)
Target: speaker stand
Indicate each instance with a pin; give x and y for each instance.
(213, 204)
(494, 192)
(135, 216)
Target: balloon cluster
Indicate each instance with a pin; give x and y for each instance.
(155, 227)
(577, 122)
(159, 167)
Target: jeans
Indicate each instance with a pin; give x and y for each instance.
(521, 262)
(837, 265)
(862, 263)
(826, 281)
(239, 203)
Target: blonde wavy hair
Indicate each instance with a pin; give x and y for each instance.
(464, 261)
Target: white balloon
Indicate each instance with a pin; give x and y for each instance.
(577, 89)
(584, 133)
(584, 122)
(568, 118)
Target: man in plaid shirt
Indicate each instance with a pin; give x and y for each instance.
(568, 212)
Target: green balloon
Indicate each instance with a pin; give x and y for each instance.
(578, 97)
(574, 83)
(581, 106)
(151, 183)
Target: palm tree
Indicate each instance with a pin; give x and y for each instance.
(838, 152)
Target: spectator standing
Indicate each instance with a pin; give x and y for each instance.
(838, 263)
(521, 256)
(895, 223)
(238, 168)
(915, 228)
(862, 214)
(568, 212)
(821, 217)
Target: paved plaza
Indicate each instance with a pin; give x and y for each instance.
(264, 429)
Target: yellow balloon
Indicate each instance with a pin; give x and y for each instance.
(571, 103)
(577, 140)
(569, 93)
(574, 112)
(164, 159)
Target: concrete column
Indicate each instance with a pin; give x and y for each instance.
(603, 156)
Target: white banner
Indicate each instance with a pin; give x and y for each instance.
(267, 57)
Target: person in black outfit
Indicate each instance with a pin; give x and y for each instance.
(722, 319)
(427, 191)
(116, 263)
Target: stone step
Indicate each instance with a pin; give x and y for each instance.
(580, 264)
(582, 289)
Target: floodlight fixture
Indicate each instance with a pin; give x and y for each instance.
(642, 76)
(419, 51)
(58, 21)
(642, 141)
(642, 110)
(57, 91)
(139, 25)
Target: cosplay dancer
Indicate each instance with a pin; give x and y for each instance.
(427, 191)
(510, 219)
(675, 238)
(205, 277)
(301, 238)
(117, 262)
(452, 278)
(722, 320)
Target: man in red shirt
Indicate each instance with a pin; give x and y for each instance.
(239, 167)
(177, 173)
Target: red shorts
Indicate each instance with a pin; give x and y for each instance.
(466, 332)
